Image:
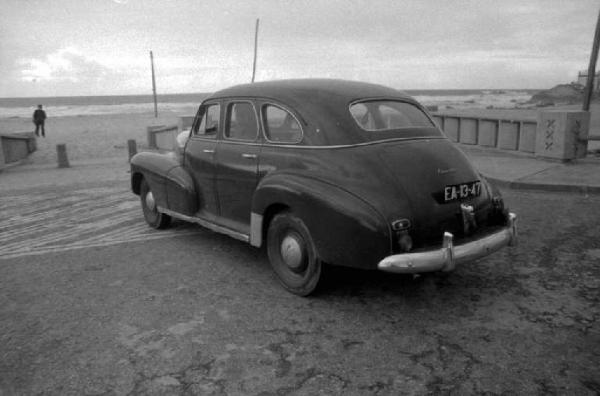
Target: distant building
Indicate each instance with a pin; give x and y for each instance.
(582, 78)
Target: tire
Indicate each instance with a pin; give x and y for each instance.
(151, 214)
(293, 255)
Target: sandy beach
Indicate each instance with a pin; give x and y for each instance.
(90, 136)
(105, 136)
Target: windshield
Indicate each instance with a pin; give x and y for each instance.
(385, 115)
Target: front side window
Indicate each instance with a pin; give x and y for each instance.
(280, 125)
(209, 125)
(241, 123)
(385, 115)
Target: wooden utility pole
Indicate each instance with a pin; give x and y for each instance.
(255, 49)
(153, 85)
(589, 86)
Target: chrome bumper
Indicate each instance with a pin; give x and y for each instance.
(446, 258)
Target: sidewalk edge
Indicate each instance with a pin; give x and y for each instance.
(519, 185)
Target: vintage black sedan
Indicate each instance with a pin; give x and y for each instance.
(326, 172)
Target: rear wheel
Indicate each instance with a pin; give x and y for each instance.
(293, 255)
(151, 214)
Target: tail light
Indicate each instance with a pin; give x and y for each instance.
(405, 241)
(403, 238)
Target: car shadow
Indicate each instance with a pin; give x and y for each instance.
(342, 282)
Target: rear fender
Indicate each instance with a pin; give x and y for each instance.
(346, 230)
(172, 185)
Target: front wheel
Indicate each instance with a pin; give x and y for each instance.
(293, 255)
(151, 214)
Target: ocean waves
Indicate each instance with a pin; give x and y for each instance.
(186, 104)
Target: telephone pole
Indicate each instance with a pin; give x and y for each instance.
(153, 85)
(589, 86)
(255, 49)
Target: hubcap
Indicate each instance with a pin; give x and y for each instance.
(150, 202)
(292, 252)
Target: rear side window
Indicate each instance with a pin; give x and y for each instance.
(385, 115)
(280, 125)
(241, 122)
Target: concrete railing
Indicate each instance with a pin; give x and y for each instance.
(553, 134)
(16, 146)
(501, 133)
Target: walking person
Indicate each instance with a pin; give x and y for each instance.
(39, 117)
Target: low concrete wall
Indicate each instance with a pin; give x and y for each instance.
(554, 134)
(162, 137)
(186, 122)
(505, 134)
(16, 146)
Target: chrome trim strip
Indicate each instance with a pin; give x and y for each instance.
(299, 146)
(370, 143)
(448, 256)
(240, 142)
(256, 224)
(207, 224)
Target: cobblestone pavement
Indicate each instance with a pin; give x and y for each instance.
(108, 310)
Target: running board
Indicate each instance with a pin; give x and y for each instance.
(207, 224)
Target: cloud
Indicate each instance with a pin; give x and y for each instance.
(66, 64)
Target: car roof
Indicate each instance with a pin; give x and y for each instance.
(315, 89)
(322, 105)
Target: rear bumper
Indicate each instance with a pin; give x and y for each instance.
(448, 256)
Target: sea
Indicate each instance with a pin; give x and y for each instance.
(186, 104)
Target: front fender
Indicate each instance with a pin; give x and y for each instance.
(346, 230)
(172, 185)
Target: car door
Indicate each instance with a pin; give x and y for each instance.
(237, 163)
(200, 152)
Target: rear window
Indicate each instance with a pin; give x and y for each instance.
(386, 115)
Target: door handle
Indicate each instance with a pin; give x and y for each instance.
(208, 151)
(249, 156)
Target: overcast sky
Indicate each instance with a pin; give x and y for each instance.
(101, 47)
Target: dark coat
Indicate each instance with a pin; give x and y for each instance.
(39, 116)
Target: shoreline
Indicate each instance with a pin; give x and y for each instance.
(105, 136)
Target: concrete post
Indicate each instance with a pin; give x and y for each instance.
(61, 152)
(132, 147)
(562, 134)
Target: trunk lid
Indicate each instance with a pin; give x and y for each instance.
(433, 174)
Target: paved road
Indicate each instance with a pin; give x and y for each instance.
(37, 223)
(93, 302)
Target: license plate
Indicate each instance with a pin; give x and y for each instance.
(461, 191)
